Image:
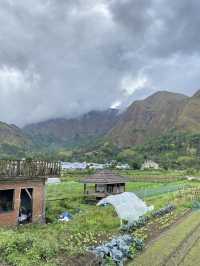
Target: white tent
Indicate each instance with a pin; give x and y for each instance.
(127, 205)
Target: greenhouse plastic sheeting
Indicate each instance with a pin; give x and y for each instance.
(127, 205)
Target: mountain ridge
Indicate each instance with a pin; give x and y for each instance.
(157, 114)
(64, 132)
(12, 135)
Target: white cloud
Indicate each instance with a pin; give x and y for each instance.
(64, 58)
(116, 105)
(130, 83)
(14, 81)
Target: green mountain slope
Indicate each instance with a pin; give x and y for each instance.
(72, 132)
(12, 135)
(189, 118)
(13, 142)
(148, 118)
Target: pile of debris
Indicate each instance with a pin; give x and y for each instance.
(65, 217)
(119, 249)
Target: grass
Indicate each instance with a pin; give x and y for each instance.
(156, 254)
(154, 173)
(162, 189)
(48, 244)
(193, 257)
(44, 244)
(69, 195)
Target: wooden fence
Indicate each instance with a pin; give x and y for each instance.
(29, 168)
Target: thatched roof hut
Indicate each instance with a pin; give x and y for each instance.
(105, 183)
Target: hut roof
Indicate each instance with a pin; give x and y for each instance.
(104, 177)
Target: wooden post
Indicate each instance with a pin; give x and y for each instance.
(18, 168)
(44, 204)
(17, 202)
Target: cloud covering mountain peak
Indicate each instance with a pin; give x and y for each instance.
(65, 58)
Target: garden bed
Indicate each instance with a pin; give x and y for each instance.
(59, 243)
(159, 251)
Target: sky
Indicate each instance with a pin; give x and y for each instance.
(63, 58)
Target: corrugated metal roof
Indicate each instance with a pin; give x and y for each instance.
(105, 177)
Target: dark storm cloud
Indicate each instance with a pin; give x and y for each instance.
(66, 57)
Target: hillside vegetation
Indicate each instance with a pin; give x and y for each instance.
(158, 114)
(13, 141)
(165, 127)
(171, 150)
(72, 132)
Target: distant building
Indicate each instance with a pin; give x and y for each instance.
(123, 166)
(73, 166)
(22, 190)
(82, 166)
(96, 166)
(104, 183)
(148, 164)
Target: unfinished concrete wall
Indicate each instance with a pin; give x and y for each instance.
(11, 217)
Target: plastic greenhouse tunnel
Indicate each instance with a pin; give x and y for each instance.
(127, 205)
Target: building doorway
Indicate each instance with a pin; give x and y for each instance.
(26, 206)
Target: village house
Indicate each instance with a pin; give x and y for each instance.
(123, 166)
(102, 184)
(22, 190)
(149, 164)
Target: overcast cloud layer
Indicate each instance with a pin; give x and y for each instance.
(64, 58)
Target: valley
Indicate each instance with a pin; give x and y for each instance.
(99, 133)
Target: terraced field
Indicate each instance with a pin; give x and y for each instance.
(178, 246)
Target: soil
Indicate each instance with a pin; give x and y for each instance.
(82, 260)
(156, 232)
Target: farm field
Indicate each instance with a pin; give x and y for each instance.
(193, 256)
(57, 243)
(167, 249)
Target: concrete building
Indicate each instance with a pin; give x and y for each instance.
(148, 164)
